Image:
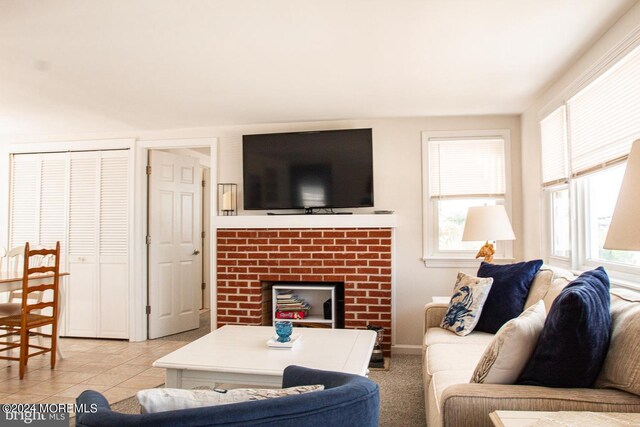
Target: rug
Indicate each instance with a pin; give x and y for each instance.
(401, 394)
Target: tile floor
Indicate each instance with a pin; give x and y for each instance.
(117, 369)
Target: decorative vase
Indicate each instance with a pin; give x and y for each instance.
(284, 329)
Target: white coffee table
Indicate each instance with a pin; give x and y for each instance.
(240, 355)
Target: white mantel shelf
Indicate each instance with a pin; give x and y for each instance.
(306, 221)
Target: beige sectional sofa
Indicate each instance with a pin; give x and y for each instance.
(449, 361)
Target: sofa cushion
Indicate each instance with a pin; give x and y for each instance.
(539, 287)
(508, 294)
(445, 336)
(453, 357)
(439, 383)
(621, 367)
(170, 399)
(543, 282)
(575, 338)
(510, 349)
(465, 307)
(554, 290)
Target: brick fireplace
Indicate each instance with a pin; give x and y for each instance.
(361, 258)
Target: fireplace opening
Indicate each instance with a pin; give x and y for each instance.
(306, 304)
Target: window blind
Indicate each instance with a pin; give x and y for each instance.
(604, 117)
(553, 134)
(466, 167)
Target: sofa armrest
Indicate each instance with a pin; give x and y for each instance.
(471, 404)
(433, 314)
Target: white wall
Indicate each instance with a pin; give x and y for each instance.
(397, 184)
(619, 39)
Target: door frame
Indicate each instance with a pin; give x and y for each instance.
(139, 316)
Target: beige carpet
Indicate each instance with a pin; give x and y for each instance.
(401, 394)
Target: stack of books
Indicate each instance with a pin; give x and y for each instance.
(290, 306)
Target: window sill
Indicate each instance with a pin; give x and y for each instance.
(432, 262)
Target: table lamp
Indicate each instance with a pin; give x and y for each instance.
(624, 230)
(487, 223)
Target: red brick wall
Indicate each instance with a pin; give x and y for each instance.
(361, 258)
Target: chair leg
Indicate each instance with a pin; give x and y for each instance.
(54, 344)
(24, 350)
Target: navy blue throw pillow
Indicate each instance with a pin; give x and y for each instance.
(575, 338)
(508, 294)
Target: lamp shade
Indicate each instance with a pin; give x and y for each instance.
(624, 231)
(487, 223)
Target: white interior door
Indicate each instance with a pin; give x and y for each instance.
(175, 263)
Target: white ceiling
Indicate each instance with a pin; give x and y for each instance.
(99, 66)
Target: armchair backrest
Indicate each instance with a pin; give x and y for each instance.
(347, 400)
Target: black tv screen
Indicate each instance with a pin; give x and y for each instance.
(320, 169)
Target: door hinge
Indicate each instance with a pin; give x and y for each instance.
(204, 183)
(148, 240)
(148, 169)
(148, 309)
(203, 234)
(204, 286)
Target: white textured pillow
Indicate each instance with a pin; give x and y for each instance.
(469, 296)
(169, 399)
(508, 353)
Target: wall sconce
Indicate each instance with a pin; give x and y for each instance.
(227, 199)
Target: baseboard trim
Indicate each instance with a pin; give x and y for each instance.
(406, 349)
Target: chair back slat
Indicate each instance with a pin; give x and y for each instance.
(33, 272)
(40, 288)
(42, 269)
(39, 306)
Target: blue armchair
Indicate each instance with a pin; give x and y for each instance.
(347, 400)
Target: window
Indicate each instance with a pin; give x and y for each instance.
(585, 143)
(601, 193)
(461, 169)
(561, 225)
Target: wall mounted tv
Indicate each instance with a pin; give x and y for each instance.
(308, 170)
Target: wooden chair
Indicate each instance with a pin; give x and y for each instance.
(32, 317)
(15, 264)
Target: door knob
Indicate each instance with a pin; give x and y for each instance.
(196, 252)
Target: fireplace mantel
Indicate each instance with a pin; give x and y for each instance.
(306, 221)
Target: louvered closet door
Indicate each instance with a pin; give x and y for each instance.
(82, 200)
(99, 245)
(82, 296)
(113, 220)
(38, 201)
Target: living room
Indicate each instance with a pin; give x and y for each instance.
(169, 77)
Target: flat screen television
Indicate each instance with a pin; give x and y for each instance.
(308, 170)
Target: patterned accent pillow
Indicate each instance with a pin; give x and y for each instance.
(469, 295)
(169, 399)
(510, 349)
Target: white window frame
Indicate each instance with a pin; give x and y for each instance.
(620, 274)
(583, 261)
(560, 261)
(431, 255)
